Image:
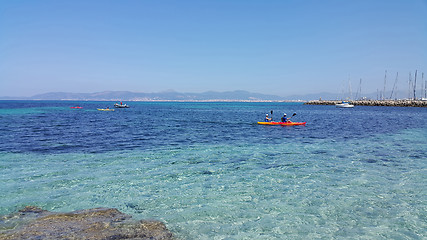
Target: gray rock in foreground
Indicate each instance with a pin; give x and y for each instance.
(97, 223)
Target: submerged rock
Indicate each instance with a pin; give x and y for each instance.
(97, 223)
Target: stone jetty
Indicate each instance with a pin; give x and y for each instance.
(388, 103)
(94, 224)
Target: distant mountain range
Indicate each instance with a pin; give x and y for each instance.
(176, 96)
(136, 96)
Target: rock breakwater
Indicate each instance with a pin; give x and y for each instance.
(97, 223)
(388, 103)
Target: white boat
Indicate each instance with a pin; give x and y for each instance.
(344, 105)
(116, 105)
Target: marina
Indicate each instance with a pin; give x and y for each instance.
(387, 103)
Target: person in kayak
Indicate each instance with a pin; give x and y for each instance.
(284, 118)
(267, 118)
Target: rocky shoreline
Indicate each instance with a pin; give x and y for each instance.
(98, 223)
(388, 103)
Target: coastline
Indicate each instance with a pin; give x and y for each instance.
(159, 100)
(385, 103)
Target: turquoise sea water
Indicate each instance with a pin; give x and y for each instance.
(210, 172)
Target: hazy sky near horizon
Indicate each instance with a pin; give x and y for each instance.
(280, 47)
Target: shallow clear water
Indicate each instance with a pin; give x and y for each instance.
(210, 172)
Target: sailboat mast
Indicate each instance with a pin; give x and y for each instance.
(395, 82)
(359, 91)
(385, 81)
(425, 87)
(415, 85)
(409, 85)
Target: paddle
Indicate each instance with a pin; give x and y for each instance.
(271, 115)
(292, 116)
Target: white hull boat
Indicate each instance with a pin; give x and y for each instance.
(121, 105)
(344, 105)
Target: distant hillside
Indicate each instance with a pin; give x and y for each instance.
(206, 96)
(170, 95)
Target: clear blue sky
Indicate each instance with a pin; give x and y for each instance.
(280, 47)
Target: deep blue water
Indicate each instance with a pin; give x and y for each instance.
(52, 127)
(210, 172)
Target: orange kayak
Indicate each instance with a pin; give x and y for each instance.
(282, 123)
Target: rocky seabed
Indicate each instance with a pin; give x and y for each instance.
(94, 224)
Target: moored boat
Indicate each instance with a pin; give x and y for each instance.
(121, 105)
(344, 105)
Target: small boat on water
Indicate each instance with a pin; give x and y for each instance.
(76, 107)
(344, 104)
(282, 123)
(121, 105)
(105, 109)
